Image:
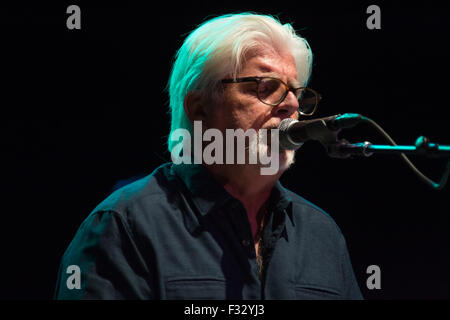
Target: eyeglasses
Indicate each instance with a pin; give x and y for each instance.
(273, 91)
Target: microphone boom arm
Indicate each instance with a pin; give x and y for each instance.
(422, 147)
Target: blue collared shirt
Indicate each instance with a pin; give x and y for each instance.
(177, 234)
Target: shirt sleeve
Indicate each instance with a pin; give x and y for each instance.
(103, 262)
(351, 288)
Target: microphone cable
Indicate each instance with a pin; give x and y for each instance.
(424, 178)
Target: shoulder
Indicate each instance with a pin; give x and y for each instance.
(311, 216)
(139, 195)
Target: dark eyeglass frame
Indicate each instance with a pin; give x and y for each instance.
(258, 80)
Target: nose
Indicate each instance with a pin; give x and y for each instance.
(287, 107)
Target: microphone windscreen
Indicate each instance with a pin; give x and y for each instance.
(285, 140)
(285, 123)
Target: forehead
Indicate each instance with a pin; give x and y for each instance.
(271, 63)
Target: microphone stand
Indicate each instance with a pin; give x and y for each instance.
(326, 131)
(423, 147)
(343, 149)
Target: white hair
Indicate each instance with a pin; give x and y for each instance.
(217, 49)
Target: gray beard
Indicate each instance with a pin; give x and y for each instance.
(261, 147)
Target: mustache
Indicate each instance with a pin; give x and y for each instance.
(273, 126)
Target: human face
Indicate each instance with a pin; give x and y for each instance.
(240, 106)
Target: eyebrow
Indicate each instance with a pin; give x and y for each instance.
(267, 71)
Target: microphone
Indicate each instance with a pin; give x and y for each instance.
(294, 133)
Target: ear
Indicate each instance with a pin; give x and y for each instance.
(194, 106)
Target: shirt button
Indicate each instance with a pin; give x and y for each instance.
(246, 242)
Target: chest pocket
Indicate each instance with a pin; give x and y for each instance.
(314, 292)
(195, 289)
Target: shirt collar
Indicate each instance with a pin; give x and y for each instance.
(207, 193)
(204, 189)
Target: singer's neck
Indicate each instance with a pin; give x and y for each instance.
(245, 183)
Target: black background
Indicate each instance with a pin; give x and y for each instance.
(84, 109)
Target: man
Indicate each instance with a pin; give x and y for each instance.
(218, 230)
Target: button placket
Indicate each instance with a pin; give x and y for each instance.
(240, 221)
